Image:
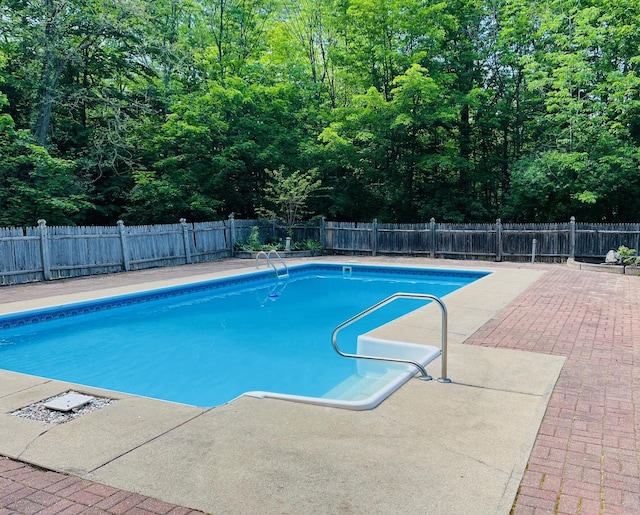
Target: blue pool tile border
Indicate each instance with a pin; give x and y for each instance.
(20, 319)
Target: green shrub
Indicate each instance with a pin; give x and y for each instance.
(628, 256)
(253, 243)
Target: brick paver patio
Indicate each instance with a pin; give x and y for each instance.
(28, 490)
(586, 459)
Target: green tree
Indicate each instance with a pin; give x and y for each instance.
(408, 109)
(582, 159)
(287, 196)
(33, 184)
(396, 150)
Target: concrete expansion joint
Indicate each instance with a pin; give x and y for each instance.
(484, 463)
(505, 390)
(20, 390)
(150, 440)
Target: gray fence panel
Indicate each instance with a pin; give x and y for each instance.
(300, 232)
(155, 245)
(271, 231)
(20, 259)
(79, 251)
(414, 239)
(594, 240)
(209, 241)
(348, 236)
(37, 253)
(468, 240)
(310, 231)
(552, 241)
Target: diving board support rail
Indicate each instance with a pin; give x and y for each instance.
(423, 371)
(267, 256)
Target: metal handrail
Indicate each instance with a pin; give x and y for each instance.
(286, 268)
(443, 351)
(263, 253)
(268, 258)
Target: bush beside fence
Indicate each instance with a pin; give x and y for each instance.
(46, 253)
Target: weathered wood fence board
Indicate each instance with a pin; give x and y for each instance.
(353, 237)
(413, 239)
(211, 240)
(78, 251)
(37, 253)
(598, 238)
(465, 240)
(20, 259)
(155, 245)
(552, 240)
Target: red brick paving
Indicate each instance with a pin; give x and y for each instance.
(586, 458)
(28, 490)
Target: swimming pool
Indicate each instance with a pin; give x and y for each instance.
(207, 343)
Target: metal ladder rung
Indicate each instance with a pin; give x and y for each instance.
(267, 256)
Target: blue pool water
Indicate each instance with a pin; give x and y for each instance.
(208, 343)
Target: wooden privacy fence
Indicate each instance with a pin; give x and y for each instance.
(553, 242)
(42, 252)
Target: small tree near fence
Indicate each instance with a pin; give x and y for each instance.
(287, 195)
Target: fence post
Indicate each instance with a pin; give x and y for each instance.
(126, 259)
(374, 237)
(185, 238)
(498, 240)
(44, 249)
(232, 235)
(572, 238)
(433, 237)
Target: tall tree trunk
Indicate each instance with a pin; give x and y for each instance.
(51, 69)
(464, 145)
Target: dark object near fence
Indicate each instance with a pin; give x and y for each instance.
(45, 253)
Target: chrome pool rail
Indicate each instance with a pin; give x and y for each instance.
(267, 256)
(425, 296)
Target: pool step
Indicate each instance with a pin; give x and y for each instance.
(358, 387)
(396, 349)
(373, 375)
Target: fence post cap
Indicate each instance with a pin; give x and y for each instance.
(120, 223)
(42, 222)
(183, 221)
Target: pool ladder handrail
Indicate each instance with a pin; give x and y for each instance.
(267, 255)
(443, 351)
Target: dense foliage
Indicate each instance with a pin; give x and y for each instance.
(462, 110)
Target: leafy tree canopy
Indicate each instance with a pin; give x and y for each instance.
(527, 110)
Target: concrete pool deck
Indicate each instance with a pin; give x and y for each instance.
(457, 448)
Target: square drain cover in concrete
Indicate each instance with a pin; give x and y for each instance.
(68, 401)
